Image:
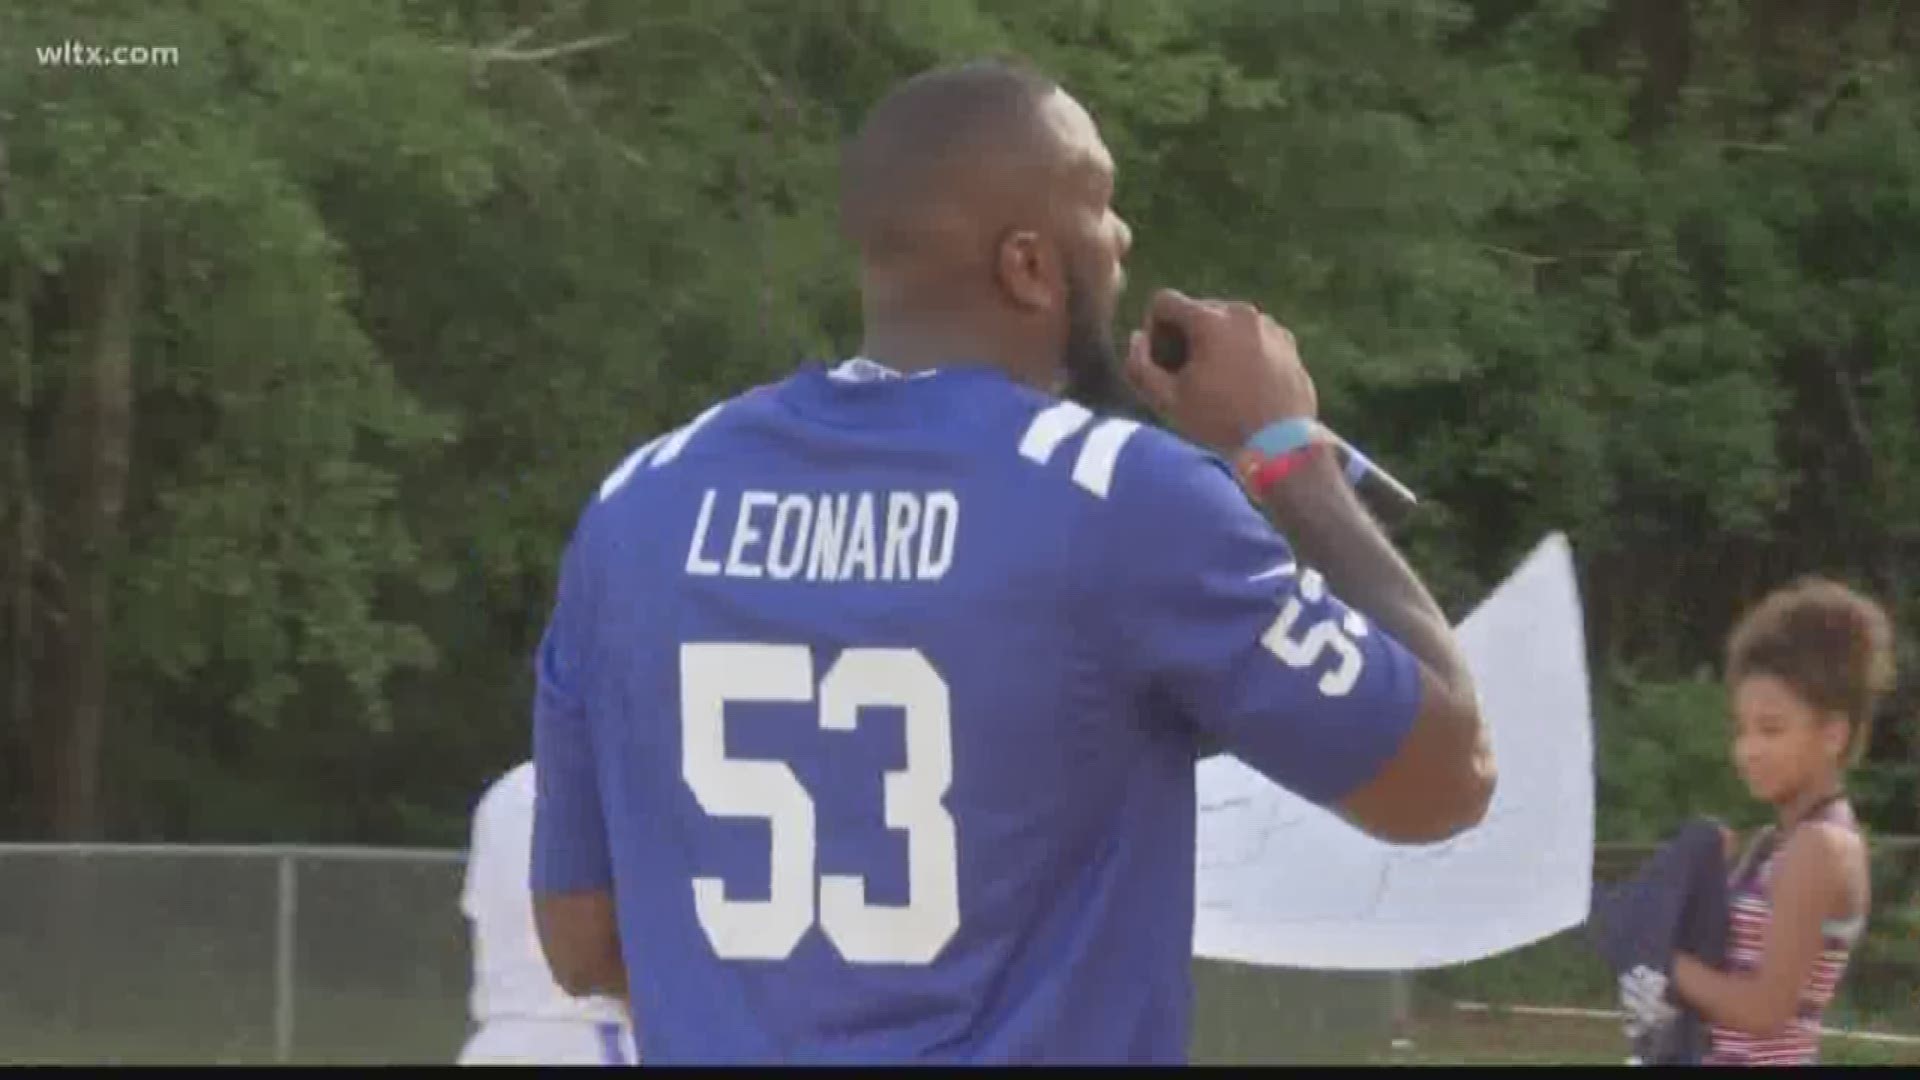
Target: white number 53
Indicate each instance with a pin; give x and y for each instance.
(715, 673)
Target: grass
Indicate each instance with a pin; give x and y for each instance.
(1505, 1038)
(1243, 1015)
(1439, 1038)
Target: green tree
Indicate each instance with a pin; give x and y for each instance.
(315, 343)
(203, 436)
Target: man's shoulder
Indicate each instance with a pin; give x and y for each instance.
(691, 434)
(1167, 466)
(1108, 463)
(1118, 460)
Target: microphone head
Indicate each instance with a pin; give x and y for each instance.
(1373, 483)
(1167, 345)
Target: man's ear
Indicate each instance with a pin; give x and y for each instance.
(1029, 271)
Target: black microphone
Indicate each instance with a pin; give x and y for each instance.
(1167, 344)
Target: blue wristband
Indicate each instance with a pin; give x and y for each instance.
(1283, 437)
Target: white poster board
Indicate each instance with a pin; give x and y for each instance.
(1283, 883)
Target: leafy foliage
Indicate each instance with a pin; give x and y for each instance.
(415, 276)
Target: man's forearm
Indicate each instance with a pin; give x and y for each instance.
(605, 976)
(1332, 532)
(580, 938)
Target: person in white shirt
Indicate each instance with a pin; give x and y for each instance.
(520, 1015)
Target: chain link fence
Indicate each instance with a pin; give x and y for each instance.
(230, 955)
(186, 955)
(165, 955)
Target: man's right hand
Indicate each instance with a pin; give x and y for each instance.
(1242, 372)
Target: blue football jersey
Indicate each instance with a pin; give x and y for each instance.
(876, 702)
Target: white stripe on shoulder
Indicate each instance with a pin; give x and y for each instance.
(1051, 428)
(1100, 453)
(622, 474)
(679, 439)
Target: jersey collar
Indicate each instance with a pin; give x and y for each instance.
(862, 392)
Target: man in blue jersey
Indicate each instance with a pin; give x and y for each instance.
(870, 702)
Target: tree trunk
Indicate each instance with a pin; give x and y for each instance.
(19, 508)
(87, 472)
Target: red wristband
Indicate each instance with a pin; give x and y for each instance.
(1259, 474)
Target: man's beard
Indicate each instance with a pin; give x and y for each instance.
(1089, 358)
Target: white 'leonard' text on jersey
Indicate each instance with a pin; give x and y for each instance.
(864, 536)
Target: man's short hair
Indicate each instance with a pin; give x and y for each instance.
(930, 126)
